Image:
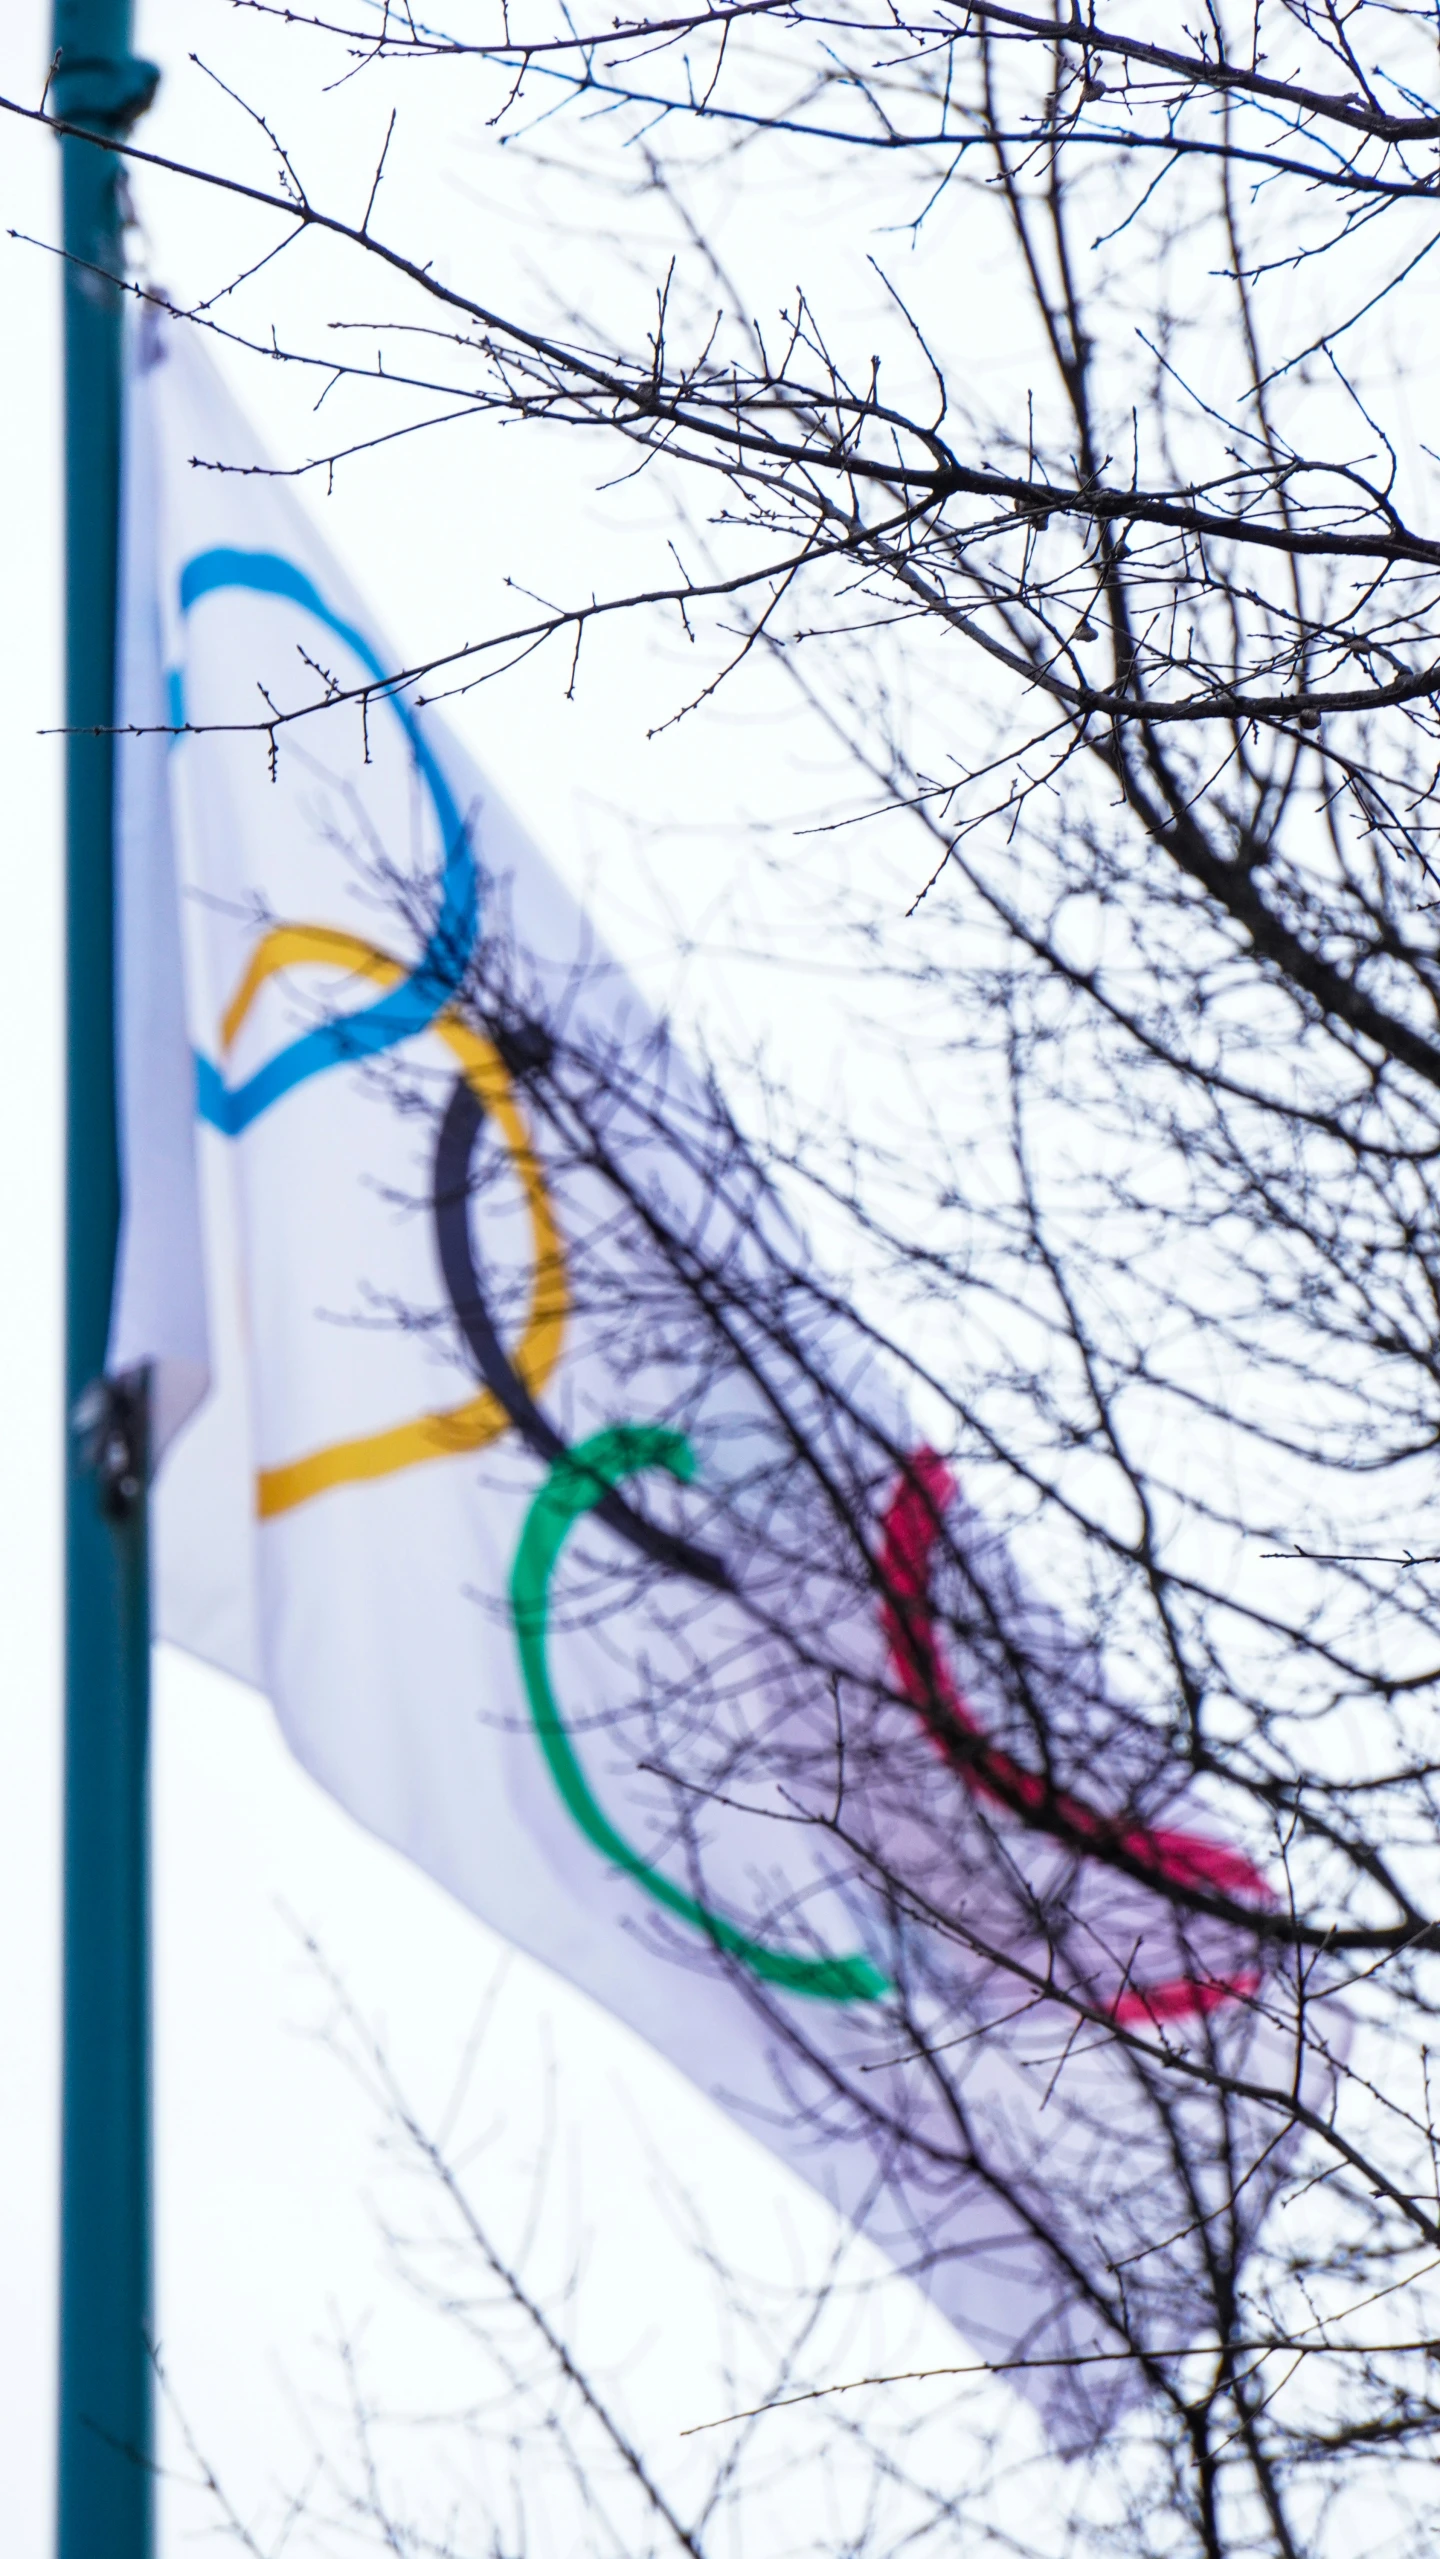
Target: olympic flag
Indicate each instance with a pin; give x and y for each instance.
(509, 1440)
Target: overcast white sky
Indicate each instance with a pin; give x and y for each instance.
(267, 2166)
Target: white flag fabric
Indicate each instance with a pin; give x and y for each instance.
(573, 1530)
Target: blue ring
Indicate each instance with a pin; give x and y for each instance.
(409, 1007)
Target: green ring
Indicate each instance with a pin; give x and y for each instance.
(576, 1483)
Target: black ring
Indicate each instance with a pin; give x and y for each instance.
(454, 1152)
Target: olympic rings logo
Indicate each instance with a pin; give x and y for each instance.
(590, 1477)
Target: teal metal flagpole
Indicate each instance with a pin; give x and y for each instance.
(105, 2486)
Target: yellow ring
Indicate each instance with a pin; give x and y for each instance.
(462, 1428)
